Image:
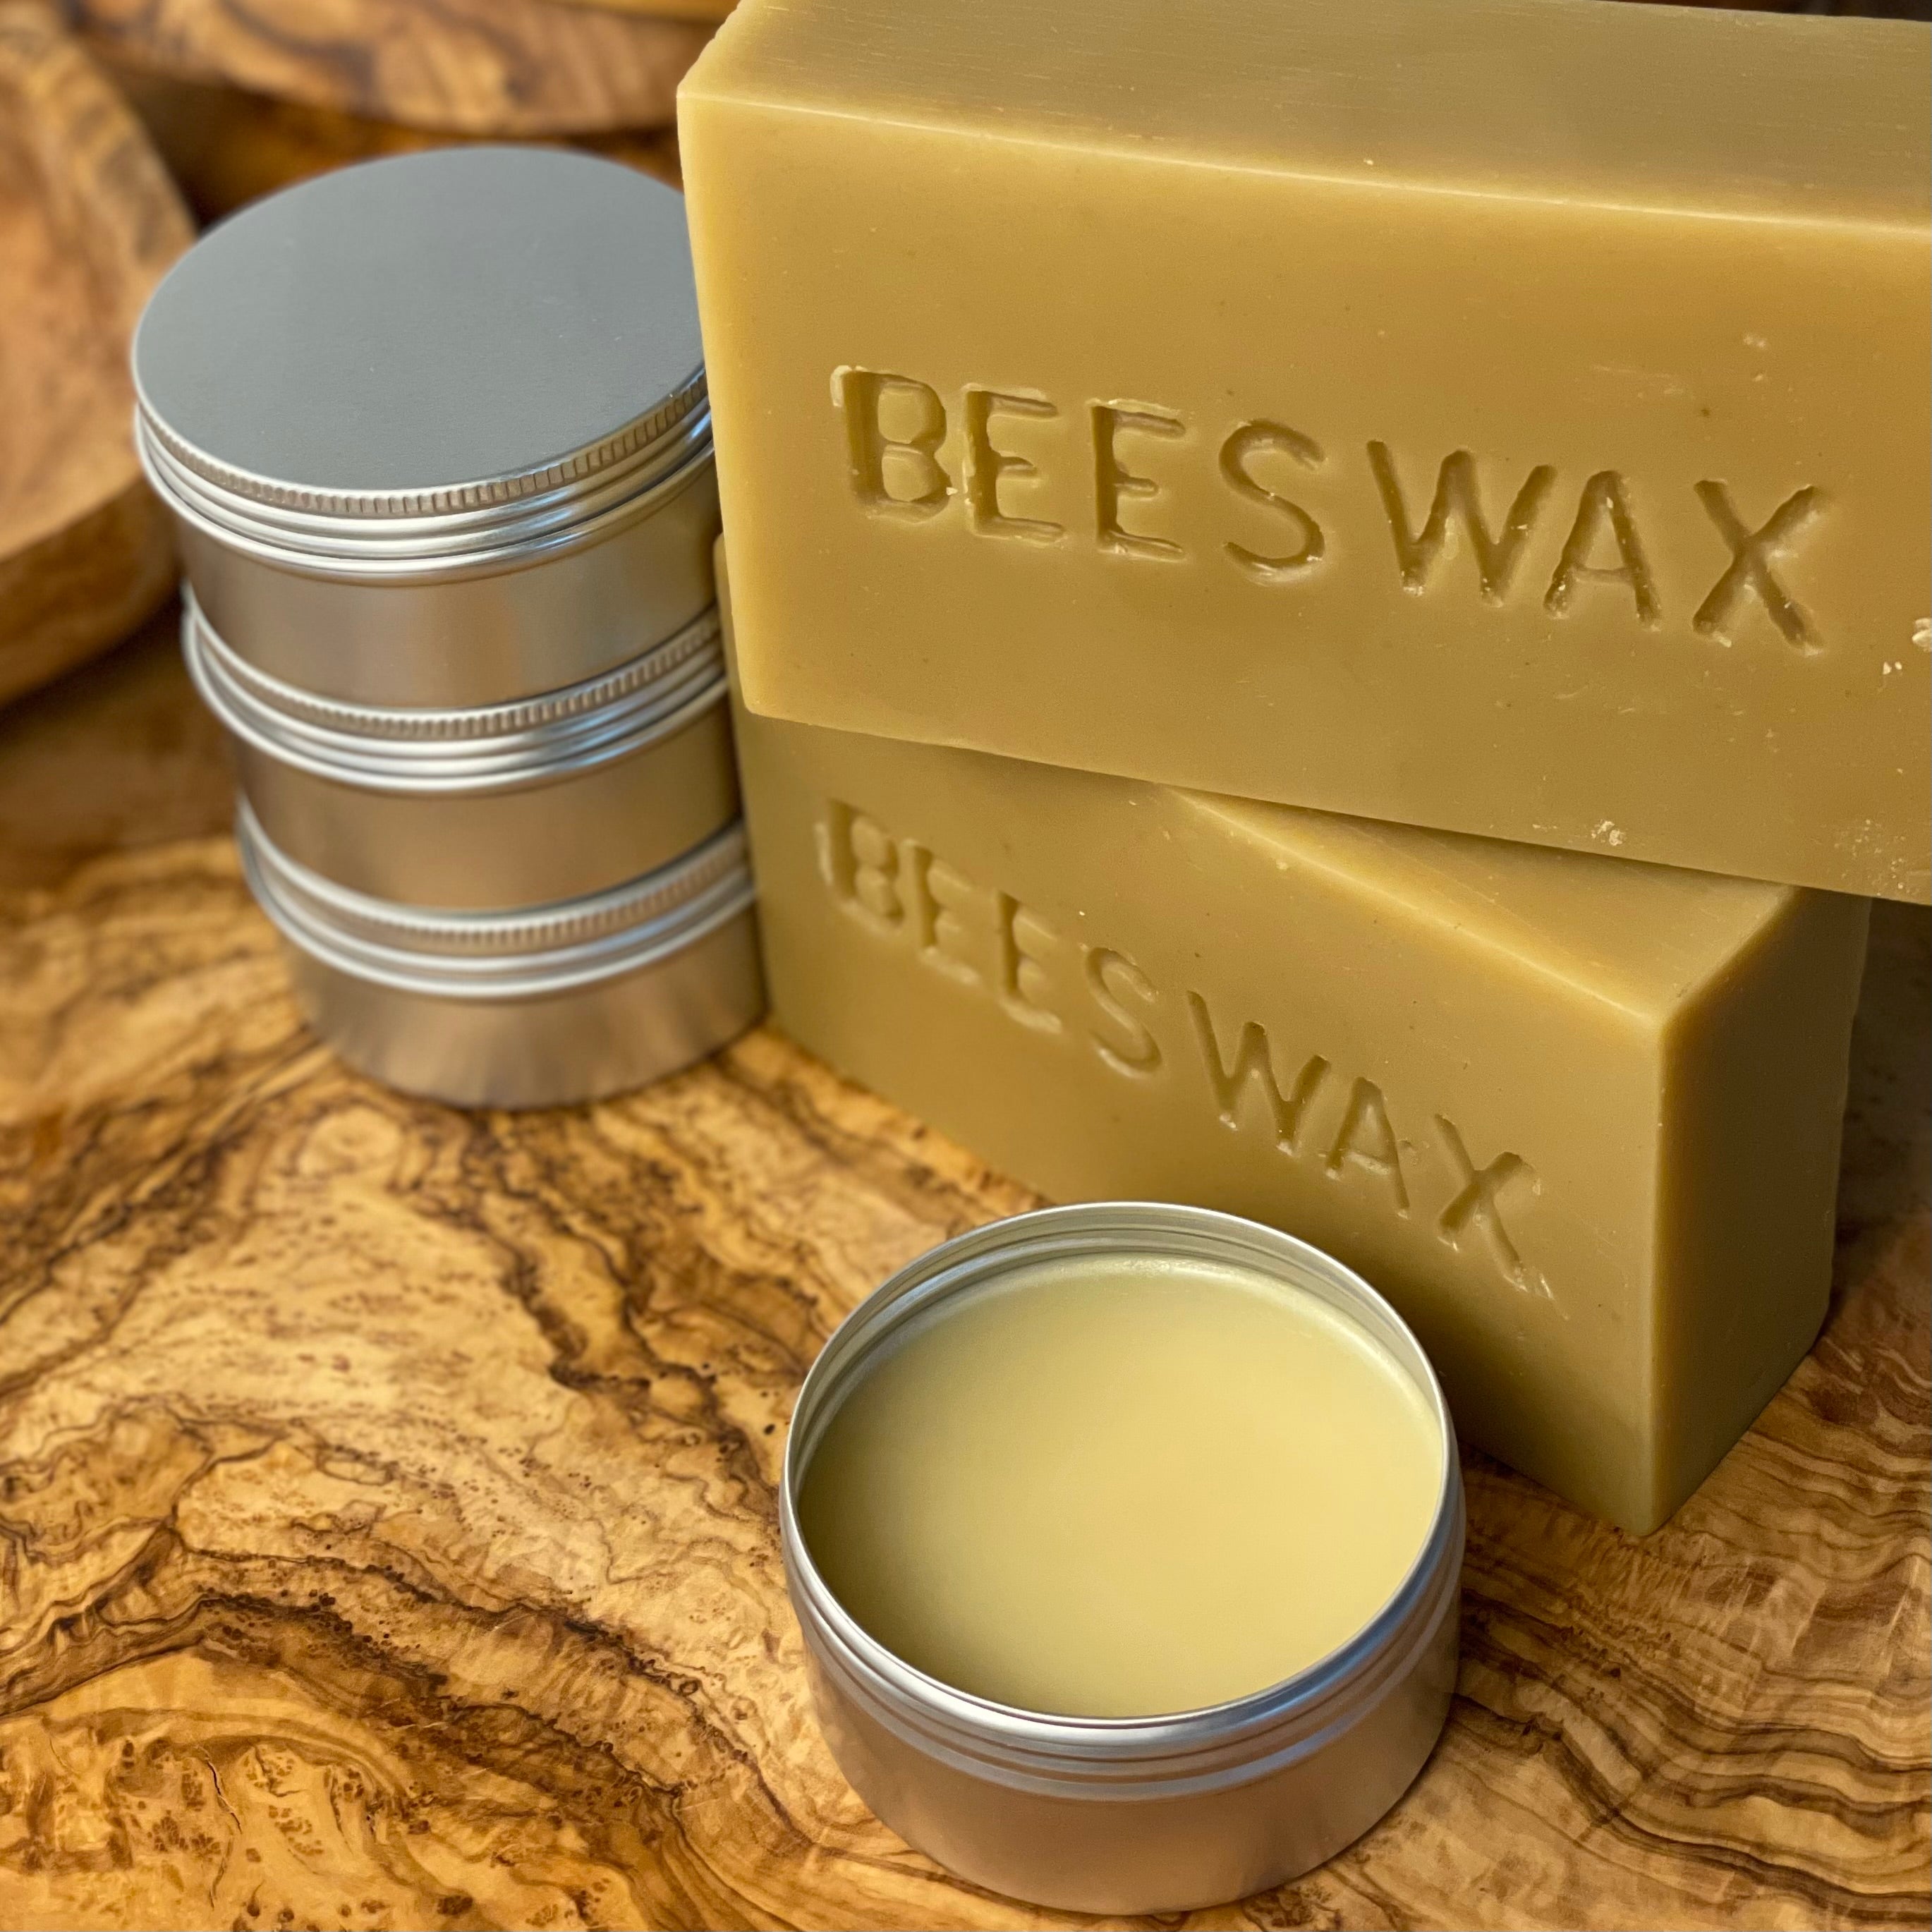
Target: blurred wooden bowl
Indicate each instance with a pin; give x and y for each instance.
(226, 147)
(89, 223)
(489, 67)
(713, 11)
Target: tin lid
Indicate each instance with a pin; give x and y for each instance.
(446, 333)
(494, 955)
(483, 747)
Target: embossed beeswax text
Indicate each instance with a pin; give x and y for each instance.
(1532, 540)
(1337, 1124)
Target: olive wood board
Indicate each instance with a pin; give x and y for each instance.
(89, 221)
(386, 1493)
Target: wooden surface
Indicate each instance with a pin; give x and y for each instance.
(114, 756)
(225, 146)
(385, 1493)
(497, 68)
(713, 11)
(89, 223)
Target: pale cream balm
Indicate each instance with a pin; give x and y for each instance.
(1121, 1486)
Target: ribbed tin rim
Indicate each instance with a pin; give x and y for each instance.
(1137, 1758)
(575, 469)
(485, 748)
(391, 533)
(496, 956)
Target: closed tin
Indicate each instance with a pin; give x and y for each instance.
(433, 429)
(544, 1007)
(1130, 1815)
(506, 805)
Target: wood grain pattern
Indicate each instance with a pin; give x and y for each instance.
(117, 755)
(89, 223)
(713, 11)
(466, 67)
(386, 1525)
(226, 147)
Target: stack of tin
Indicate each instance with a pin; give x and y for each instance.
(435, 436)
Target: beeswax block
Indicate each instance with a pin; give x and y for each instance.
(1577, 1118)
(1505, 415)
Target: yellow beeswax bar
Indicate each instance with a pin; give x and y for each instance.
(1578, 1118)
(1507, 415)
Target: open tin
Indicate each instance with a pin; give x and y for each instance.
(543, 1007)
(1130, 1815)
(489, 807)
(434, 429)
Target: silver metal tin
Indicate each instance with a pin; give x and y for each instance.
(434, 429)
(1130, 1815)
(499, 806)
(545, 1007)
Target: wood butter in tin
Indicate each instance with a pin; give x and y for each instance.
(1125, 1542)
(489, 807)
(544, 1007)
(434, 429)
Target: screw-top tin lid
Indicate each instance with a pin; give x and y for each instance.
(483, 748)
(537, 950)
(448, 332)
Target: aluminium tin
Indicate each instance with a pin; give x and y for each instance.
(434, 429)
(507, 805)
(1130, 1815)
(545, 1007)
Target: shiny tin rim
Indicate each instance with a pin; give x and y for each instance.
(390, 535)
(1173, 1753)
(486, 747)
(527, 954)
(648, 442)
